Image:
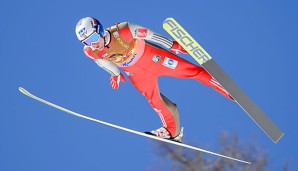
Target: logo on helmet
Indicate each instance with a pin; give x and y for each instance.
(83, 33)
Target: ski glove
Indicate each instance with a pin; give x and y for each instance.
(176, 48)
(115, 80)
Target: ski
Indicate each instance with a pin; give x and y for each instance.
(25, 92)
(204, 59)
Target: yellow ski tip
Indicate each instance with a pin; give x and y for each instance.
(170, 18)
(186, 40)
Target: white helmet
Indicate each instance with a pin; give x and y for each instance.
(88, 25)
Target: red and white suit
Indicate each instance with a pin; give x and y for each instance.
(128, 47)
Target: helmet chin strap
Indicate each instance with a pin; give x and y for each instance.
(107, 38)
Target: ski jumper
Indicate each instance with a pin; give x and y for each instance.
(143, 62)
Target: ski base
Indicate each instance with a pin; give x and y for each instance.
(25, 92)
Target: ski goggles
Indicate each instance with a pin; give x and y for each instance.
(94, 37)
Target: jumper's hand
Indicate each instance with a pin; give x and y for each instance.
(176, 48)
(115, 80)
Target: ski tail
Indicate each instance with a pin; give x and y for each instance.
(253, 111)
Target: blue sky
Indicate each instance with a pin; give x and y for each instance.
(254, 41)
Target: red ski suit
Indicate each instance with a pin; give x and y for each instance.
(144, 62)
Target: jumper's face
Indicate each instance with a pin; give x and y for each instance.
(94, 41)
(98, 45)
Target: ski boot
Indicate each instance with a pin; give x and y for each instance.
(165, 134)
